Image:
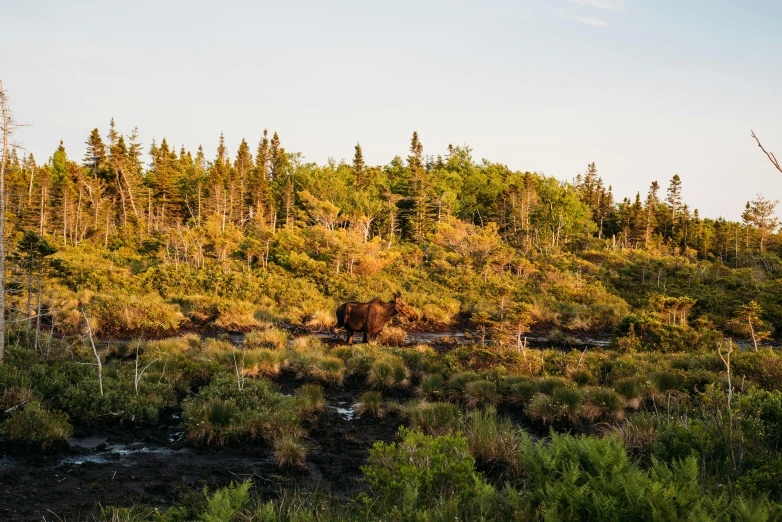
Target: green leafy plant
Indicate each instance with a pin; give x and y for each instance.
(35, 425)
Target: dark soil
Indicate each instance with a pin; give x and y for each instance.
(123, 466)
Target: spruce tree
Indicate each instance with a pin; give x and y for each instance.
(95, 154)
(358, 165)
(243, 164)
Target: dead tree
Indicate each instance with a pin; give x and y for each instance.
(7, 126)
(770, 155)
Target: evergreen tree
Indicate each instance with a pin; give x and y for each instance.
(418, 191)
(358, 165)
(95, 154)
(259, 192)
(240, 179)
(674, 198)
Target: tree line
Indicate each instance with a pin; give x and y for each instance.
(201, 207)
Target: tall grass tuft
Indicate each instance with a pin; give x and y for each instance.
(214, 420)
(433, 418)
(273, 338)
(370, 403)
(432, 387)
(480, 393)
(495, 439)
(308, 401)
(457, 384)
(328, 370)
(290, 451)
(603, 403)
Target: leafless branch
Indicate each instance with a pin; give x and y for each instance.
(770, 155)
(94, 351)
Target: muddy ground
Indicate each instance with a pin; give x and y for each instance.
(123, 466)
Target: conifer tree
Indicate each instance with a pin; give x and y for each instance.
(95, 154)
(358, 165)
(260, 196)
(242, 167)
(674, 198)
(418, 191)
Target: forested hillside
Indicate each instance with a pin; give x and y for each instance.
(227, 241)
(124, 400)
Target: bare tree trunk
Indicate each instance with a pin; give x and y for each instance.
(130, 193)
(30, 193)
(94, 351)
(6, 128)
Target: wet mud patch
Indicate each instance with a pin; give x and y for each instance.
(123, 466)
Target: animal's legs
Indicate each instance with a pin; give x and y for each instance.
(348, 336)
(366, 337)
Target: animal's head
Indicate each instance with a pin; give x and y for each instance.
(402, 308)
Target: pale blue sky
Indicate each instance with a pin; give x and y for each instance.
(644, 88)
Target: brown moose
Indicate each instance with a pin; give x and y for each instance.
(370, 317)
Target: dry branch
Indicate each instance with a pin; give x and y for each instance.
(770, 155)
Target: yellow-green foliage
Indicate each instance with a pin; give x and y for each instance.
(33, 424)
(370, 403)
(392, 336)
(132, 315)
(433, 418)
(273, 338)
(387, 372)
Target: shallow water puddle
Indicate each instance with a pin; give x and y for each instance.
(344, 410)
(119, 453)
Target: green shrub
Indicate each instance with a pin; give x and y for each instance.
(33, 424)
(123, 315)
(420, 471)
(589, 478)
(236, 316)
(222, 411)
(119, 403)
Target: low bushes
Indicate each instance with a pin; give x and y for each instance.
(224, 411)
(420, 472)
(33, 424)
